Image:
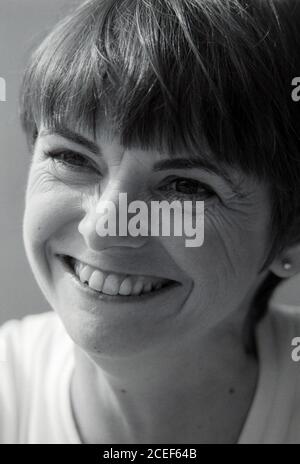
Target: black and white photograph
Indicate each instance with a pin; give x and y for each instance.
(150, 224)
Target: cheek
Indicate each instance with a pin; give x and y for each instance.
(226, 266)
(49, 207)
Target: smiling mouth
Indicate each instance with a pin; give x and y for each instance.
(115, 284)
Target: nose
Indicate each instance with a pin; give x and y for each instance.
(104, 214)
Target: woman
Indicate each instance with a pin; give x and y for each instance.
(151, 341)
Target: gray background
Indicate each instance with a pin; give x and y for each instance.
(23, 23)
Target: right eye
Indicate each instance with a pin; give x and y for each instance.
(71, 160)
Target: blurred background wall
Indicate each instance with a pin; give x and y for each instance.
(23, 24)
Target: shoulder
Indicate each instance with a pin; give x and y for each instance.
(36, 356)
(30, 335)
(33, 323)
(275, 413)
(31, 342)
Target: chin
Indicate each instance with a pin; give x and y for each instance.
(113, 339)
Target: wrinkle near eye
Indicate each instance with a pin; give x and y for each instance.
(236, 223)
(40, 180)
(219, 226)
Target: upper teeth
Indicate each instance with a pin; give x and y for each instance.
(114, 284)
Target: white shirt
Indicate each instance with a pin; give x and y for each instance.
(36, 365)
(37, 361)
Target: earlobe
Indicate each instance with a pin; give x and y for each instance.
(287, 264)
(282, 268)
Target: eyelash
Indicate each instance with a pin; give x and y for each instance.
(205, 191)
(57, 157)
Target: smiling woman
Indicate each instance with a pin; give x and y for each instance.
(151, 341)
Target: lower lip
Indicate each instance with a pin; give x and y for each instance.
(116, 298)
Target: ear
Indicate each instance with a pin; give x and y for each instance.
(287, 263)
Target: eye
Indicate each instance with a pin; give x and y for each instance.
(187, 188)
(72, 160)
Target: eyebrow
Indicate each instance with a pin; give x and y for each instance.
(163, 165)
(73, 137)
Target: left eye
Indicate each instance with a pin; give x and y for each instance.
(188, 187)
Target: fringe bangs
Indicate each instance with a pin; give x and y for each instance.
(168, 75)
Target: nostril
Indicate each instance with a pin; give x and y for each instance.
(87, 225)
(87, 228)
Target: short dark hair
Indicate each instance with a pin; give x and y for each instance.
(173, 74)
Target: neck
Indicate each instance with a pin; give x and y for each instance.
(197, 392)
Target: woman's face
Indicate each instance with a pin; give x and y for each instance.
(69, 175)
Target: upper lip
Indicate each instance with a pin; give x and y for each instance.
(122, 268)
